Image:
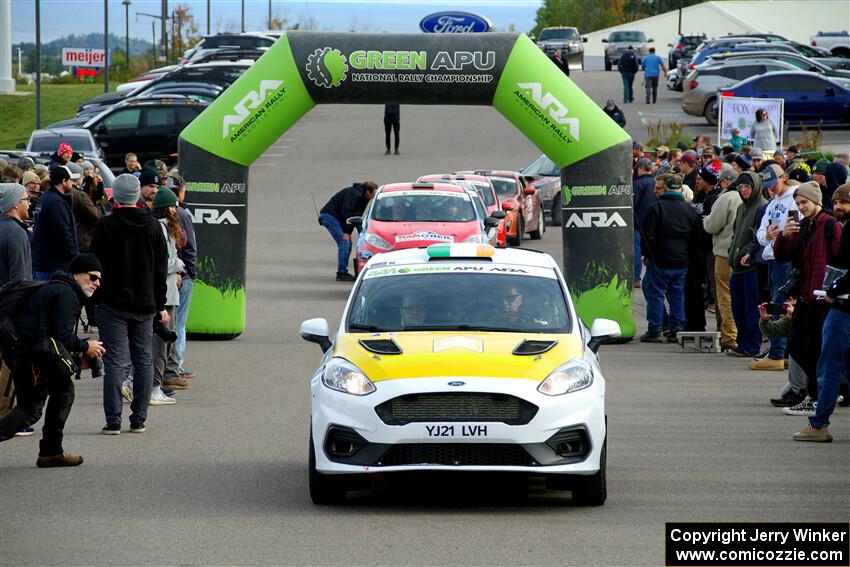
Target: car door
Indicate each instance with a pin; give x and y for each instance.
(117, 134)
(160, 132)
(818, 99)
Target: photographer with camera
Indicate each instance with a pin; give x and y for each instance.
(49, 316)
(810, 244)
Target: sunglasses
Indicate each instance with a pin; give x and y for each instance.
(93, 277)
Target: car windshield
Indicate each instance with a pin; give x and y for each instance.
(483, 190)
(400, 299)
(422, 206)
(635, 36)
(216, 42)
(505, 187)
(49, 142)
(542, 166)
(569, 34)
(692, 41)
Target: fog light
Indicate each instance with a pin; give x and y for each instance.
(570, 443)
(343, 442)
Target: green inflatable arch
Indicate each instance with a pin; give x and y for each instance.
(505, 70)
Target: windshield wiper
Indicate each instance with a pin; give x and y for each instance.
(462, 328)
(369, 328)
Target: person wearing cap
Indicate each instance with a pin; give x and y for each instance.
(757, 157)
(53, 311)
(643, 198)
(346, 203)
(32, 183)
(737, 140)
(637, 153)
(689, 168)
(188, 253)
(763, 131)
(834, 360)
(614, 113)
(54, 241)
(627, 65)
(131, 164)
(810, 245)
(742, 163)
(666, 245)
(160, 168)
(661, 158)
(62, 155)
(15, 255)
(707, 155)
(150, 182)
(134, 254)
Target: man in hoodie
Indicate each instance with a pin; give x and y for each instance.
(55, 310)
(54, 240)
(743, 284)
(131, 246)
(15, 256)
(347, 203)
(811, 245)
(835, 175)
(782, 204)
(643, 198)
(834, 358)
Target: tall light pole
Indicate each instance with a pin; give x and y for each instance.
(38, 64)
(268, 27)
(154, 18)
(243, 16)
(208, 17)
(106, 45)
(127, 31)
(164, 41)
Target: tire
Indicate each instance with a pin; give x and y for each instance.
(324, 489)
(593, 490)
(516, 240)
(710, 111)
(841, 52)
(557, 213)
(541, 228)
(607, 64)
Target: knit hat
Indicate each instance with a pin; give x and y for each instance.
(64, 148)
(29, 177)
(842, 193)
(810, 191)
(793, 149)
(165, 197)
(682, 146)
(149, 176)
(86, 165)
(82, 263)
(744, 161)
(820, 165)
(10, 195)
(708, 174)
(800, 175)
(727, 173)
(771, 175)
(59, 174)
(126, 189)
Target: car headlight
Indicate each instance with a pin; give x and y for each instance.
(342, 376)
(377, 242)
(475, 239)
(571, 377)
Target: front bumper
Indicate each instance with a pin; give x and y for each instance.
(350, 437)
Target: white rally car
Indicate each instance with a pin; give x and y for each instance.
(459, 357)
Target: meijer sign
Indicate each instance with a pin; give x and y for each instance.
(83, 57)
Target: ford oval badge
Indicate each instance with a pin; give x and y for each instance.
(454, 22)
(457, 383)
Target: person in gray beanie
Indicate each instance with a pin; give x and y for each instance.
(15, 255)
(126, 189)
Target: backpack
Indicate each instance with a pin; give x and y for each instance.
(13, 295)
(628, 62)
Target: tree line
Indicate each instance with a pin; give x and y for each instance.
(600, 14)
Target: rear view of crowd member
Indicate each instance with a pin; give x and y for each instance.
(133, 251)
(744, 285)
(643, 198)
(810, 245)
(834, 358)
(835, 175)
(15, 256)
(54, 241)
(51, 311)
(86, 206)
(666, 244)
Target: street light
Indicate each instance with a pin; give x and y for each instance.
(106, 45)
(127, 31)
(154, 18)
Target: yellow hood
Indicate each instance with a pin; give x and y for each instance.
(427, 354)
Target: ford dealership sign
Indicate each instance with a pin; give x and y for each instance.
(455, 22)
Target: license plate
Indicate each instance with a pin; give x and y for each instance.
(459, 430)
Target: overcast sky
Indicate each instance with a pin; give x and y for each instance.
(63, 17)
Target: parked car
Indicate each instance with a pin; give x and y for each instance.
(683, 46)
(620, 40)
(149, 127)
(800, 61)
(231, 55)
(145, 78)
(248, 40)
(721, 45)
(45, 142)
(838, 43)
(700, 88)
(545, 177)
(809, 98)
(521, 203)
(790, 46)
(567, 39)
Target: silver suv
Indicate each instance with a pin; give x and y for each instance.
(620, 40)
(567, 40)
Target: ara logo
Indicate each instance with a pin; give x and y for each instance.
(557, 110)
(596, 219)
(249, 102)
(213, 216)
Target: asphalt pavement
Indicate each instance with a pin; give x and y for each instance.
(220, 478)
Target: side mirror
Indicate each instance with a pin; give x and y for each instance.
(101, 128)
(507, 206)
(20, 146)
(583, 39)
(650, 40)
(491, 222)
(529, 190)
(603, 332)
(669, 45)
(355, 222)
(498, 215)
(316, 331)
(604, 41)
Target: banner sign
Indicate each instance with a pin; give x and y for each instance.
(740, 112)
(83, 57)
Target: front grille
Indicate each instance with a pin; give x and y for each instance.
(456, 406)
(457, 454)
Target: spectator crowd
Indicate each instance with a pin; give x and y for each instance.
(115, 264)
(759, 240)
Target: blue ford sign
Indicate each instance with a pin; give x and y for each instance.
(454, 22)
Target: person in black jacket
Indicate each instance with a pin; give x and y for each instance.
(614, 113)
(392, 121)
(54, 240)
(667, 244)
(347, 203)
(559, 61)
(643, 198)
(132, 248)
(627, 65)
(55, 307)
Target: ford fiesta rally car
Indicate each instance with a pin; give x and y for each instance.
(459, 357)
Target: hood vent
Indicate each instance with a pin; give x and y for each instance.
(381, 346)
(531, 347)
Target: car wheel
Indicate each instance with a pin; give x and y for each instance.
(557, 213)
(710, 111)
(324, 489)
(841, 52)
(607, 64)
(541, 228)
(593, 490)
(520, 228)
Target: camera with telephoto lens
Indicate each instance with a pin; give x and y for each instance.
(163, 332)
(794, 285)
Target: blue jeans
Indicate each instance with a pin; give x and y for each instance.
(744, 290)
(343, 246)
(638, 265)
(182, 315)
(834, 362)
(628, 82)
(128, 340)
(659, 283)
(777, 275)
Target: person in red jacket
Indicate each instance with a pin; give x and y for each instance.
(810, 244)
